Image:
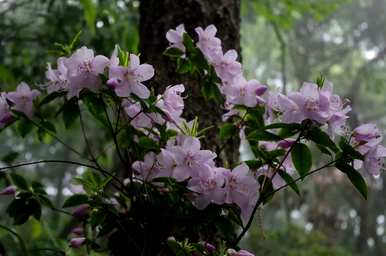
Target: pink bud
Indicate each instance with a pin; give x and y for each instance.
(10, 190)
(244, 253)
(112, 83)
(77, 242)
(209, 247)
(78, 231)
(81, 211)
(286, 143)
(7, 118)
(261, 90)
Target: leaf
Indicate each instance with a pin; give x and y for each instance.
(354, 176)
(147, 143)
(262, 135)
(177, 249)
(323, 149)
(301, 158)
(75, 200)
(254, 164)
(348, 149)
(24, 127)
(188, 42)
(90, 13)
(290, 181)
(70, 113)
(36, 208)
(10, 157)
(320, 137)
(173, 52)
(19, 181)
(227, 131)
(50, 97)
(48, 126)
(96, 107)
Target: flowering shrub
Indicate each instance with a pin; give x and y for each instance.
(169, 195)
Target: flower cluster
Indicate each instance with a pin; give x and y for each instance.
(20, 100)
(237, 89)
(312, 102)
(184, 160)
(366, 138)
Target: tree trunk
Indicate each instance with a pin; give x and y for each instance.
(156, 18)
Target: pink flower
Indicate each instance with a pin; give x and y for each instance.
(312, 104)
(241, 189)
(23, 99)
(81, 212)
(141, 119)
(172, 103)
(185, 159)
(208, 247)
(243, 92)
(208, 43)
(227, 67)
(367, 135)
(175, 37)
(242, 253)
(5, 113)
(78, 231)
(57, 78)
(77, 242)
(127, 80)
(148, 169)
(10, 190)
(83, 71)
(373, 162)
(208, 186)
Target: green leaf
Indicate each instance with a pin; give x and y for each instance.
(354, 176)
(301, 158)
(254, 164)
(290, 181)
(10, 157)
(96, 107)
(267, 188)
(262, 135)
(177, 249)
(70, 113)
(147, 143)
(173, 52)
(48, 126)
(349, 150)
(227, 131)
(75, 200)
(19, 181)
(320, 137)
(24, 127)
(50, 97)
(188, 42)
(90, 12)
(36, 208)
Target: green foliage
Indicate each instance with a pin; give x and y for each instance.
(301, 158)
(354, 176)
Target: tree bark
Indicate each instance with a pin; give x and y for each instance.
(156, 18)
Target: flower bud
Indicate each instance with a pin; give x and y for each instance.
(77, 242)
(81, 211)
(112, 83)
(261, 90)
(10, 190)
(78, 231)
(286, 143)
(208, 247)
